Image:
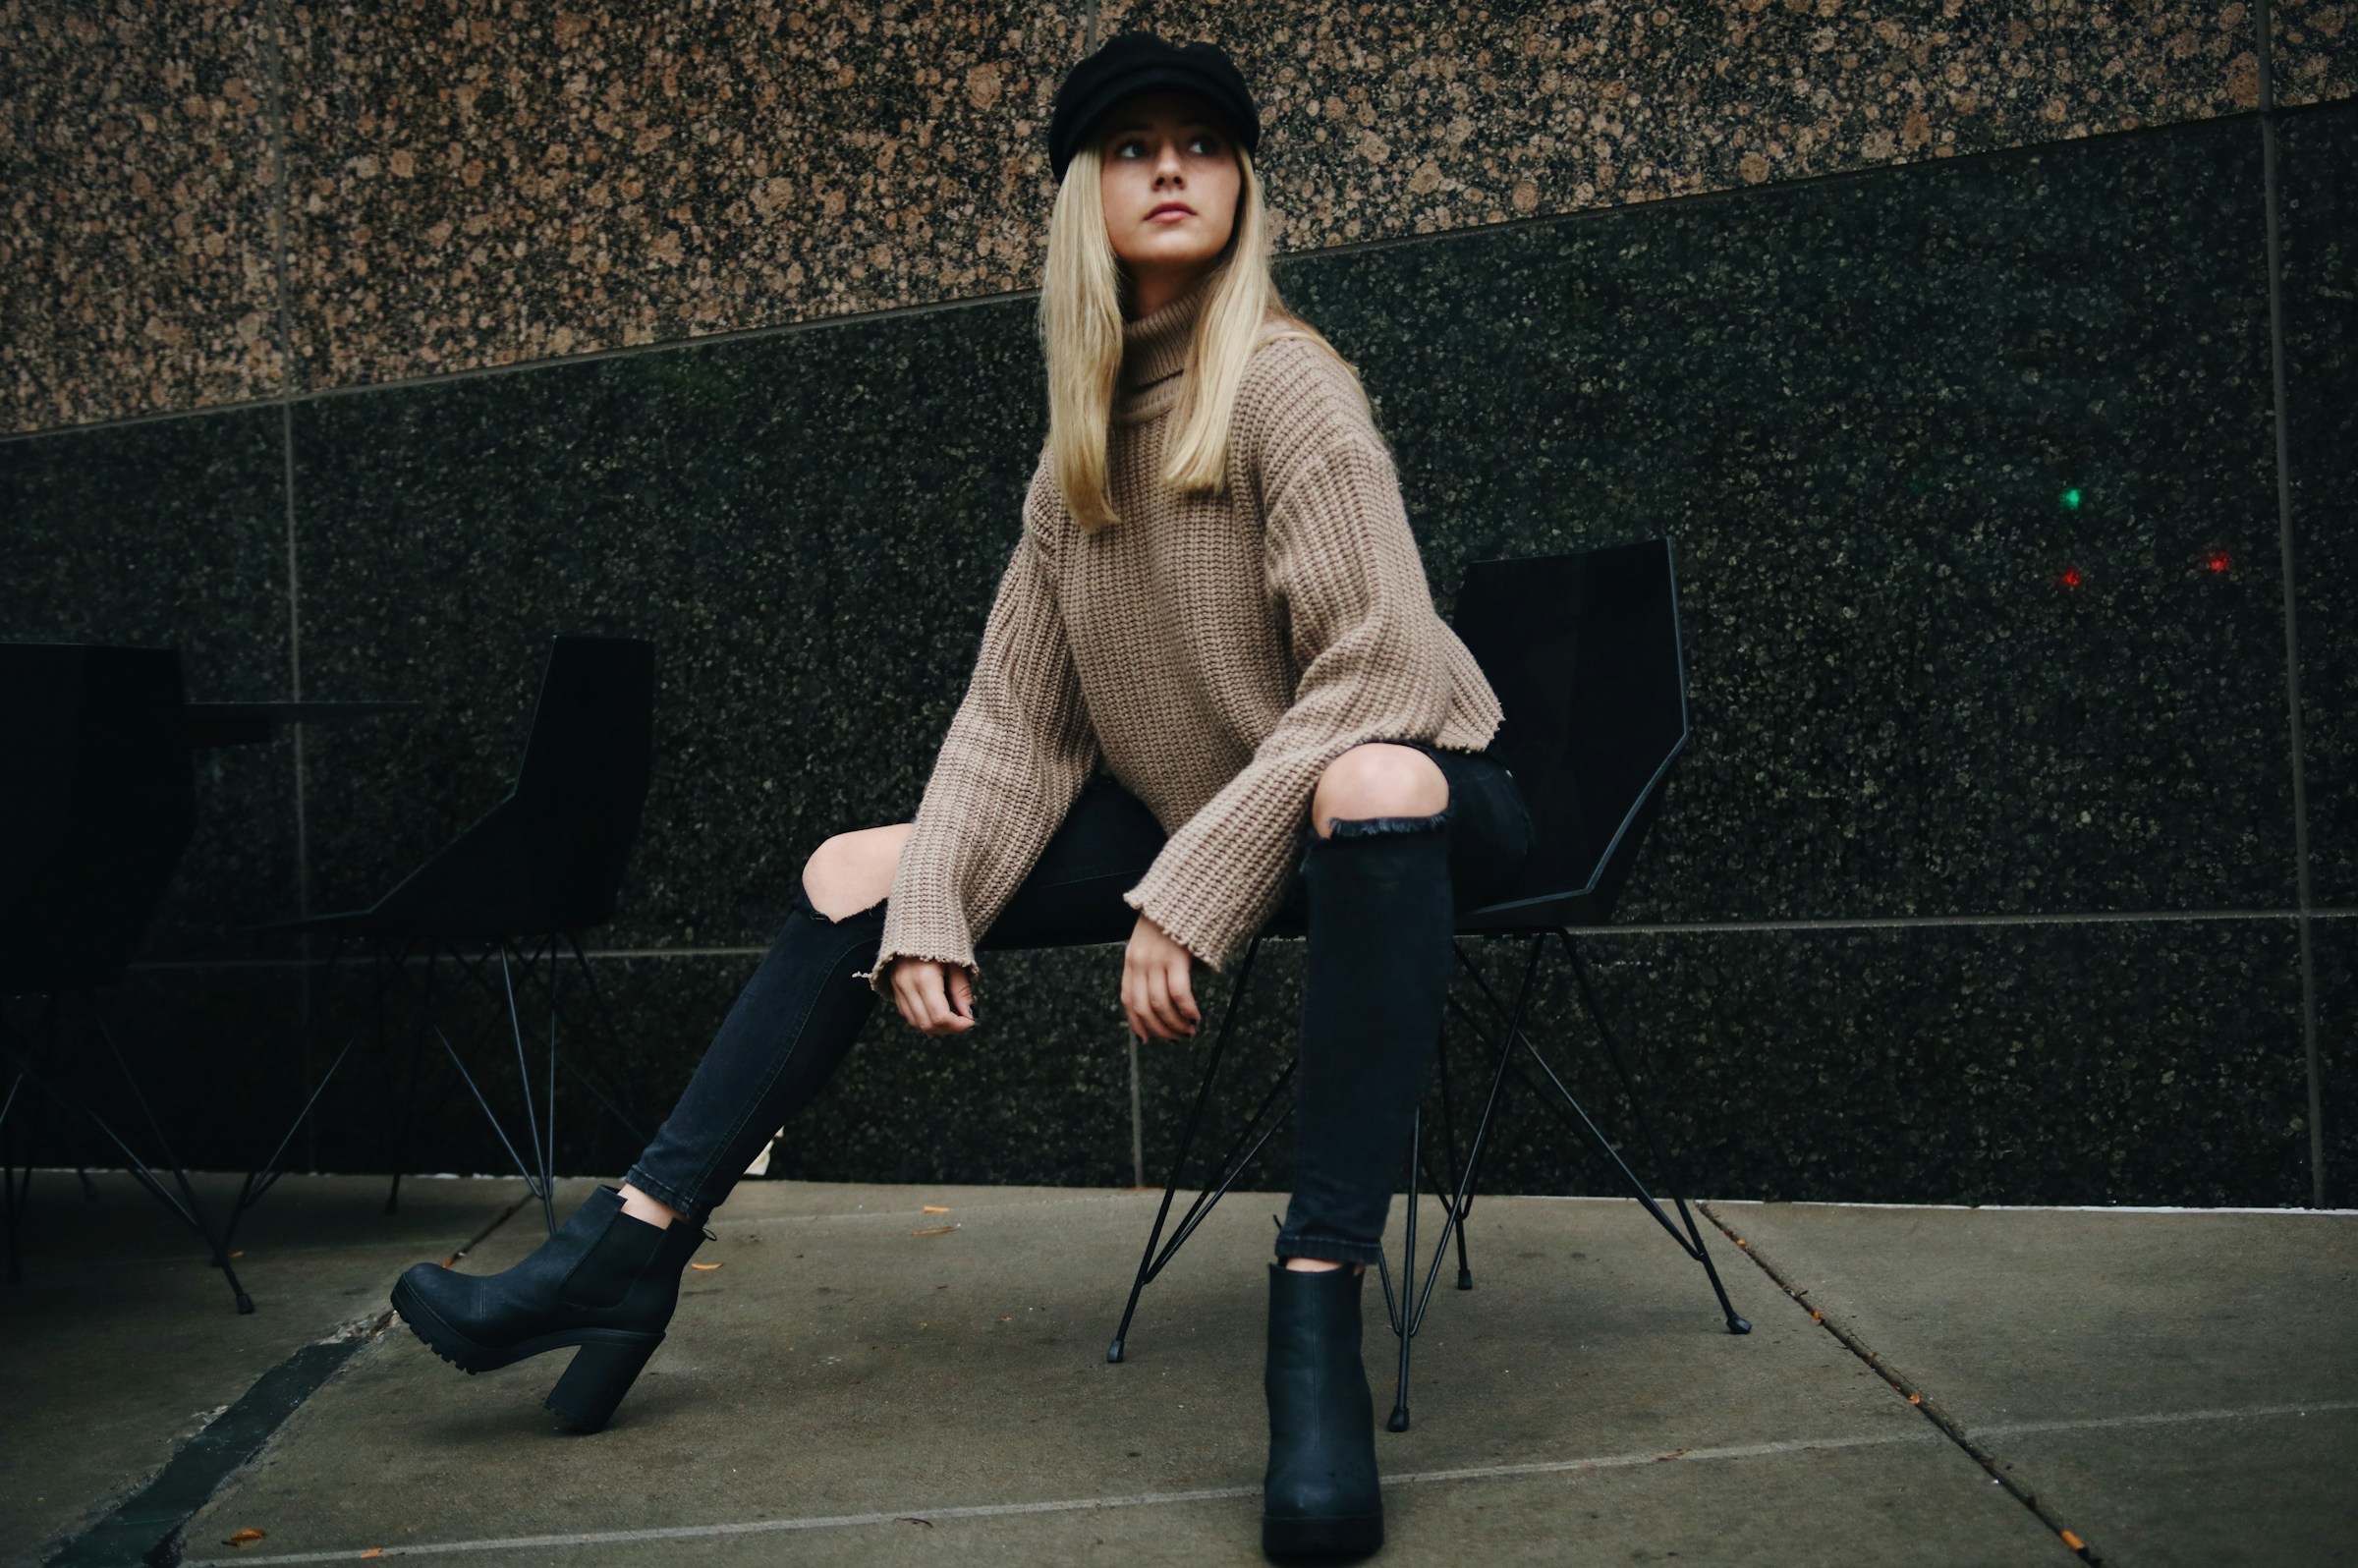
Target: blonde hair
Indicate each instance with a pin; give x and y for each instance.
(1081, 335)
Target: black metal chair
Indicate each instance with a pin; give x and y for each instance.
(98, 800)
(1584, 654)
(515, 890)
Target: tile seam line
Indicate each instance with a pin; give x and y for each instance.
(271, 19)
(1284, 259)
(1679, 929)
(2272, 196)
(1766, 1449)
(1079, 1194)
(1925, 1405)
(1759, 1450)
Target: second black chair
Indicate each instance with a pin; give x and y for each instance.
(1584, 654)
(512, 893)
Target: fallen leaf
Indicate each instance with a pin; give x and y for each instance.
(1673, 1454)
(373, 1551)
(1816, 1317)
(240, 1252)
(1006, 1320)
(935, 1230)
(2074, 1541)
(245, 1537)
(708, 1267)
(935, 1209)
(1915, 1399)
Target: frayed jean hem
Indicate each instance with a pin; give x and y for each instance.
(1330, 1248)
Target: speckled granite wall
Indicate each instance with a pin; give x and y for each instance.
(136, 217)
(2316, 50)
(172, 533)
(1417, 119)
(484, 187)
(498, 187)
(2320, 202)
(1856, 405)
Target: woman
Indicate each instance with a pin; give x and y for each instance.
(1215, 594)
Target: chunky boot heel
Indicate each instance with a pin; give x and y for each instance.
(600, 1374)
(1321, 1496)
(606, 1281)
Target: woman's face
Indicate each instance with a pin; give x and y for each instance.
(1163, 148)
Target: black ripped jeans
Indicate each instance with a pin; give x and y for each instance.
(1378, 897)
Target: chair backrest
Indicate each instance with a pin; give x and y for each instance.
(584, 780)
(1584, 654)
(97, 799)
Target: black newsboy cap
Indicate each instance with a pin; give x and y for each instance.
(1131, 62)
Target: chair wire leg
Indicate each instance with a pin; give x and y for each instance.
(1408, 1313)
(262, 1178)
(1465, 1273)
(406, 1137)
(1405, 1318)
(18, 1182)
(604, 1013)
(484, 1106)
(524, 1080)
(549, 1165)
(194, 1211)
(1147, 1269)
(1661, 1159)
(190, 1213)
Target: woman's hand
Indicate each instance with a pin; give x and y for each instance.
(916, 990)
(1157, 987)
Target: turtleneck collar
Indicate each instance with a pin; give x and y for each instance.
(1155, 351)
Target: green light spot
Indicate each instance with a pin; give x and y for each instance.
(2072, 499)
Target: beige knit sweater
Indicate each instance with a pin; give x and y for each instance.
(1216, 652)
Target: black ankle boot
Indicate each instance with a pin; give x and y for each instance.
(1319, 1497)
(606, 1281)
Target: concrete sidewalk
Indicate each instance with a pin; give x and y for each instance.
(865, 1381)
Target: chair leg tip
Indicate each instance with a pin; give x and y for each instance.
(1399, 1419)
(1739, 1325)
(1114, 1354)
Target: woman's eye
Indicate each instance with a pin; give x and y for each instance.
(1207, 140)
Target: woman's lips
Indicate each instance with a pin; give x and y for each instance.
(1169, 215)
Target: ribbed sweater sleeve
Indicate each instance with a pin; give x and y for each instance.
(1342, 560)
(1013, 759)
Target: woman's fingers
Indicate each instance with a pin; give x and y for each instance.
(1165, 1007)
(1159, 1004)
(1137, 1023)
(918, 990)
(962, 993)
(1183, 990)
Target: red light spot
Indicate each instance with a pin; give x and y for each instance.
(2219, 561)
(2071, 576)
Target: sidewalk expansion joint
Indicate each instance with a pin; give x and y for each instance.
(150, 1526)
(1949, 1426)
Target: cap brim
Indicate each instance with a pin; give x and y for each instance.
(1095, 107)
